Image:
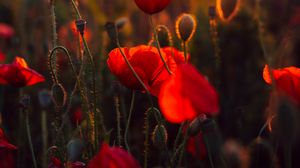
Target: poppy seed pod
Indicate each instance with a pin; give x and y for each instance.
(159, 136)
(80, 24)
(164, 36)
(185, 26)
(227, 10)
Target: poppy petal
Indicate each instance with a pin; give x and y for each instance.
(186, 95)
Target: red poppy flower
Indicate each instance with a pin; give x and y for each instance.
(55, 163)
(7, 152)
(186, 95)
(178, 55)
(146, 62)
(113, 157)
(152, 6)
(6, 31)
(18, 74)
(77, 116)
(287, 80)
(2, 57)
(196, 146)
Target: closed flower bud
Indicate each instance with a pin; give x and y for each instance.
(185, 26)
(44, 98)
(194, 127)
(159, 136)
(74, 148)
(111, 30)
(164, 36)
(80, 24)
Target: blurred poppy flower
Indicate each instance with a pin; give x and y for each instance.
(7, 152)
(18, 74)
(152, 6)
(146, 62)
(287, 81)
(6, 31)
(178, 55)
(186, 95)
(77, 116)
(295, 18)
(196, 146)
(55, 163)
(76, 164)
(113, 157)
(2, 57)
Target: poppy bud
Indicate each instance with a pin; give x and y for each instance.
(195, 126)
(227, 10)
(185, 26)
(44, 98)
(74, 148)
(159, 136)
(111, 30)
(164, 36)
(80, 24)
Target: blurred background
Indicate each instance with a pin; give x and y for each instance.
(244, 96)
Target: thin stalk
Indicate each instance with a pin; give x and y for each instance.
(54, 34)
(117, 105)
(44, 136)
(128, 121)
(158, 46)
(184, 51)
(29, 138)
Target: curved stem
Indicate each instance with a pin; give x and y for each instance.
(158, 46)
(128, 122)
(29, 139)
(183, 147)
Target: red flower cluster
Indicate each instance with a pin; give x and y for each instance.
(186, 95)
(6, 31)
(2, 57)
(146, 62)
(6, 152)
(113, 157)
(18, 74)
(287, 81)
(152, 6)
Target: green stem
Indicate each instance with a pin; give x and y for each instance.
(158, 46)
(54, 34)
(184, 51)
(178, 136)
(29, 138)
(128, 122)
(117, 105)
